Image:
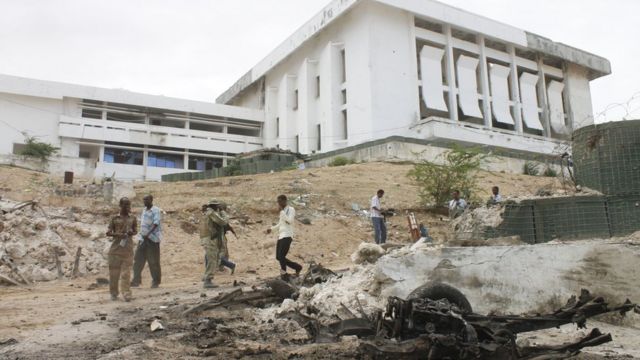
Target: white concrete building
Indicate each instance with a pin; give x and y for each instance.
(362, 70)
(136, 136)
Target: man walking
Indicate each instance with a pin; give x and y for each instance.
(148, 249)
(379, 227)
(211, 233)
(121, 228)
(285, 228)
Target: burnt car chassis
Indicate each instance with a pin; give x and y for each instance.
(421, 328)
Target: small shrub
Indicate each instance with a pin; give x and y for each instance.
(233, 168)
(550, 172)
(531, 168)
(37, 149)
(340, 161)
(437, 181)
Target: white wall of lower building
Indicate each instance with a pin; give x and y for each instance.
(30, 115)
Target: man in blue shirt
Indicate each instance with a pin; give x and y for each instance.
(148, 249)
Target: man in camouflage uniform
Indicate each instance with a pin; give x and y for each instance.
(211, 237)
(121, 228)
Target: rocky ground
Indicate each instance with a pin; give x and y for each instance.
(69, 317)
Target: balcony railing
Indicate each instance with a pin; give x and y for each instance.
(105, 130)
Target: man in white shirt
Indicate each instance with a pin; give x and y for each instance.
(495, 198)
(148, 249)
(379, 227)
(285, 227)
(457, 205)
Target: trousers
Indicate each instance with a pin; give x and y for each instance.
(147, 251)
(282, 249)
(380, 230)
(120, 274)
(212, 259)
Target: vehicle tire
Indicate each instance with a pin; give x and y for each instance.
(438, 291)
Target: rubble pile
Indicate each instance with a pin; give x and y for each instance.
(42, 243)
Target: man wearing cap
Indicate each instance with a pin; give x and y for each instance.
(211, 233)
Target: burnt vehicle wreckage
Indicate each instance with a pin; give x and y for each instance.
(436, 321)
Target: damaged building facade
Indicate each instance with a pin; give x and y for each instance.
(364, 70)
(358, 72)
(101, 132)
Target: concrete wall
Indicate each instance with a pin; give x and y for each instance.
(56, 165)
(401, 151)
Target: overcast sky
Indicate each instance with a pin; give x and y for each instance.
(196, 49)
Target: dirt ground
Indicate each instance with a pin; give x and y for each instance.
(63, 319)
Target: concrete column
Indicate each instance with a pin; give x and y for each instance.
(484, 82)
(515, 90)
(185, 166)
(451, 74)
(542, 98)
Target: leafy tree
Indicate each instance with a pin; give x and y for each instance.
(456, 171)
(38, 149)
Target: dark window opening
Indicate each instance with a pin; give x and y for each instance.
(206, 127)
(345, 125)
(204, 163)
(319, 145)
(243, 132)
(295, 99)
(277, 127)
(128, 118)
(91, 114)
(122, 156)
(168, 123)
(344, 96)
(318, 86)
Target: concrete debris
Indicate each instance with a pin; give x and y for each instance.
(42, 242)
(156, 325)
(367, 253)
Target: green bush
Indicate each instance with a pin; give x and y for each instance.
(531, 168)
(37, 149)
(340, 161)
(436, 182)
(550, 172)
(233, 168)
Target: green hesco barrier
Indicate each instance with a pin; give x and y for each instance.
(607, 157)
(577, 217)
(624, 214)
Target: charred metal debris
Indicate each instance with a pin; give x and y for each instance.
(435, 322)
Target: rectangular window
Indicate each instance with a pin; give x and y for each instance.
(343, 66)
(91, 114)
(319, 145)
(297, 143)
(126, 117)
(344, 96)
(172, 161)
(277, 127)
(202, 163)
(202, 126)
(318, 86)
(345, 127)
(295, 99)
(179, 124)
(243, 132)
(122, 156)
